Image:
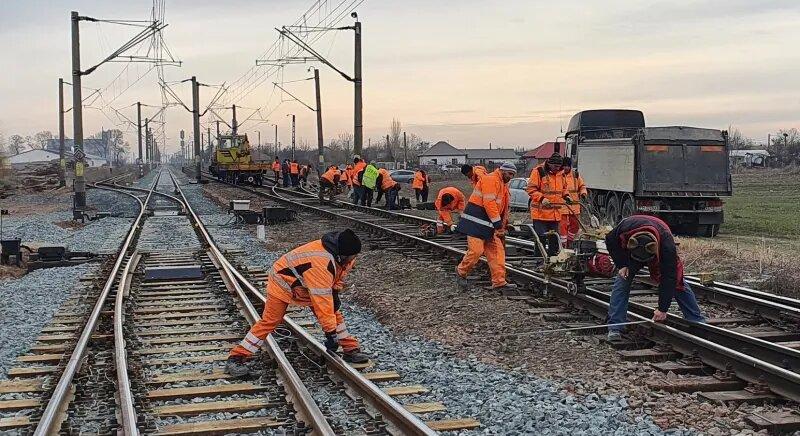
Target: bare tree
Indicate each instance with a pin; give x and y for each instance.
(738, 141)
(785, 146)
(40, 139)
(16, 144)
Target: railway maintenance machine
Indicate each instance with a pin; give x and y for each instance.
(233, 161)
(677, 173)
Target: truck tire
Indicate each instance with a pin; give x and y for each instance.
(628, 207)
(612, 211)
(708, 231)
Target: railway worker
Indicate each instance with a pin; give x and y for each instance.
(304, 174)
(368, 177)
(311, 275)
(420, 185)
(571, 212)
(484, 222)
(643, 240)
(285, 171)
(276, 169)
(355, 177)
(386, 185)
(346, 179)
(547, 191)
(294, 172)
(449, 200)
(329, 182)
(473, 173)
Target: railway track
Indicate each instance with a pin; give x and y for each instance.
(752, 350)
(148, 357)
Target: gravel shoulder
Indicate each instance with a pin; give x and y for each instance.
(412, 318)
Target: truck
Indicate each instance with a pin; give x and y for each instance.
(680, 174)
(233, 161)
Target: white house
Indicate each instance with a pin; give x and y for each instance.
(38, 156)
(443, 153)
(749, 158)
(493, 157)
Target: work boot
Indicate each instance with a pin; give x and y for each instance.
(464, 283)
(614, 336)
(355, 356)
(508, 287)
(237, 367)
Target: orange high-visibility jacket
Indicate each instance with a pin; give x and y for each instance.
(420, 181)
(543, 185)
(294, 168)
(347, 175)
(307, 276)
(332, 175)
(487, 208)
(357, 168)
(573, 183)
(457, 205)
(276, 166)
(387, 182)
(477, 172)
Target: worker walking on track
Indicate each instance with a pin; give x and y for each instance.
(420, 185)
(368, 177)
(473, 173)
(311, 275)
(484, 222)
(546, 189)
(276, 169)
(294, 173)
(355, 177)
(386, 185)
(643, 240)
(571, 212)
(448, 200)
(285, 169)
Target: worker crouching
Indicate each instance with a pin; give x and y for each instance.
(448, 200)
(643, 240)
(311, 275)
(484, 222)
(329, 183)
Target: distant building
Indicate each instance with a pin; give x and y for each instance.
(542, 152)
(443, 153)
(749, 158)
(41, 156)
(93, 146)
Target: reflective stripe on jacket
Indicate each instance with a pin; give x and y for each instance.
(457, 205)
(370, 176)
(294, 168)
(357, 168)
(543, 185)
(307, 276)
(487, 208)
(573, 183)
(332, 175)
(477, 172)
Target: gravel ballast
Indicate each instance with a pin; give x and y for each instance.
(28, 303)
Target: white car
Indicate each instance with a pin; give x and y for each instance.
(519, 197)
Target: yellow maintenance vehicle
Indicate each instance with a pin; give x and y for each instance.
(233, 162)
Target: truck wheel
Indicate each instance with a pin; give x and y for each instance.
(627, 207)
(612, 211)
(708, 231)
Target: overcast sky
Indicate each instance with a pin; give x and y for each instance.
(468, 72)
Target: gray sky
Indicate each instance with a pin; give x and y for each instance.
(468, 72)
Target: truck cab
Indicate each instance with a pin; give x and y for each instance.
(678, 173)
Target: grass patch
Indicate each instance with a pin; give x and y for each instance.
(765, 202)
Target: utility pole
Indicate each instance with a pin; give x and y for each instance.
(183, 148)
(320, 141)
(79, 200)
(147, 141)
(276, 140)
(389, 153)
(234, 127)
(139, 128)
(405, 152)
(292, 134)
(210, 147)
(259, 140)
(62, 164)
(196, 122)
(358, 115)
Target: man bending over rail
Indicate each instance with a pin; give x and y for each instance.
(310, 275)
(643, 240)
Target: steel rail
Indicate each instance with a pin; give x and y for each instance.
(302, 398)
(126, 407)
(51, 415)
(135, 188)
(779, 373)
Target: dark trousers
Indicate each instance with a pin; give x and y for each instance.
(366, 196)
(358, 191)
(285, 180)
(552, 244)
(295, 180)
(391, 199)
(277, 176)
(422, 195)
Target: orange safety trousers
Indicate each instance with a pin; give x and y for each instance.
(495, 253)
(274, 310)
(568, 227)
